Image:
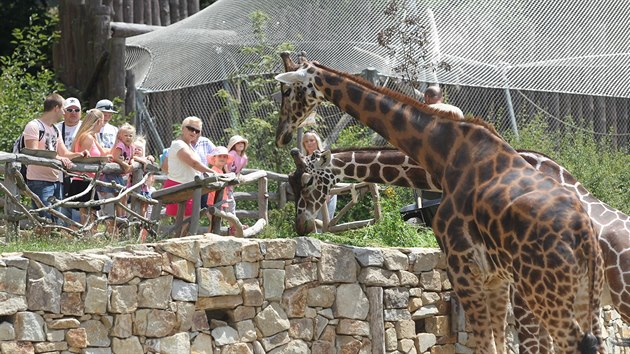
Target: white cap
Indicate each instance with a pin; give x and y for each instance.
(105, 106)
(72, 101)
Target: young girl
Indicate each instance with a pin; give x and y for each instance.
(122, 154)
(139, 155)
(86, 139)
(237, 146)
(220, 160)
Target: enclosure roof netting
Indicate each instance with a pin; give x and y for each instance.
(576, 46)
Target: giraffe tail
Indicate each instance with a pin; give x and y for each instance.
(589, 344)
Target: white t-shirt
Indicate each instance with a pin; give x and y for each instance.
(178, 170)
(70, 133)
(107, 136)
(48, 142)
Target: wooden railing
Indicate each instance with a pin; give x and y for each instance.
(13, 188)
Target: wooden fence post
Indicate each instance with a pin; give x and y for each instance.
(263, 199)
(13, 225)
(116, 76)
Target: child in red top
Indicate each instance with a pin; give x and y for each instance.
(220, 161)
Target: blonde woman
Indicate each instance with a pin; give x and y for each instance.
(86, 140)
(311, 142)
(184, 162)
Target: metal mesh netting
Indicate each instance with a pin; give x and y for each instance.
(529, 57)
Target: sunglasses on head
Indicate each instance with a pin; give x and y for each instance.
(76, 110)
(193, 129)
(106, 107)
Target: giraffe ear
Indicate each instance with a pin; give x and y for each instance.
(323, 159)
(292, 77)
(326, 157)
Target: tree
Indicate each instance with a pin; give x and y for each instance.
(258, 119)
(17, 15)
(25, 80)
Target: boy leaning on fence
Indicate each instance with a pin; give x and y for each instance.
(45, 181)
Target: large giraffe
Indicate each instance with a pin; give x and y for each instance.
(392, 167)
(500, 222)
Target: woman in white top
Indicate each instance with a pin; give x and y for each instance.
(183, 162)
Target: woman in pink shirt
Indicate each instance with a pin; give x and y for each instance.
(86, 140)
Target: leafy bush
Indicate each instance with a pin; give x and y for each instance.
(25, 81)
(391, 230)
(601, 168)
(258, 121)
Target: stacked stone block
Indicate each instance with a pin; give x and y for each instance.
(211, 294)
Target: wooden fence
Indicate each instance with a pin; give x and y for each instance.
(13, 188)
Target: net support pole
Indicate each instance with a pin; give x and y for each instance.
(508, 99)
(435, 54)
(145, 120)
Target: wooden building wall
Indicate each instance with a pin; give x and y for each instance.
(89, 58)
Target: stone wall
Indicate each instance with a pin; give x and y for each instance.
(212, 294)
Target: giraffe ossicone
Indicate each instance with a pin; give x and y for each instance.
(500, 222)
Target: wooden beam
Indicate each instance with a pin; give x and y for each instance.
(124, 30)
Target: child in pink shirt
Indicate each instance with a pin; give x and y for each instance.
(236, 146)
(122, 154)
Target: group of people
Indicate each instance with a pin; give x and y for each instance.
(61, 129)
(192, 154)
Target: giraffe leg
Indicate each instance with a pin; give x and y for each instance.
(468, 287)
(497, 296)
(532, 336)
(556, 313)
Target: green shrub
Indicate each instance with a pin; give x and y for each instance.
(392, 230)
(25, 81)
(601, 168)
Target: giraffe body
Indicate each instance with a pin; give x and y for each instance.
(392, 167)
(500, 222)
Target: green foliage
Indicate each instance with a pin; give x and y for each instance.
(355, 135)
(17, 14)
(391, 230)
(281, 223)
(601, 168)
(25, 81)
(54, 244)
(257, 121)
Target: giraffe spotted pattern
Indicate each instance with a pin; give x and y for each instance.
(500, 222)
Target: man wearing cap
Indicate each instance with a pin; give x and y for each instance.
(69, 128)
(71, 120)
(107, 136)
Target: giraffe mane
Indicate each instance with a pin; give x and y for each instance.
(534, 152)
(369, 148)
(411, 101)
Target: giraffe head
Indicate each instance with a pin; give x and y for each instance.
(299, 97)
(311, 182)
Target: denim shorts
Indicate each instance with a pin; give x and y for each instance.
(45, 190)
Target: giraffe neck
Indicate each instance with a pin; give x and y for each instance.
(385, 166)
(434, 139)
